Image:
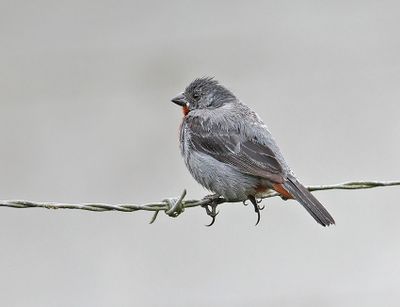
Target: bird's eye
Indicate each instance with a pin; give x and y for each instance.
(196, 96)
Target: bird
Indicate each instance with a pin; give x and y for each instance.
(229, 150)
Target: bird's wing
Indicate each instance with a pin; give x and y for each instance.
(245, 154)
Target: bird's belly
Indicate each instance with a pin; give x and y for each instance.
(221, 178)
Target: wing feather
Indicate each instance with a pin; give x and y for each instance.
(247, 155)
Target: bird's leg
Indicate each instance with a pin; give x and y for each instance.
(211, 206)
(257, 207)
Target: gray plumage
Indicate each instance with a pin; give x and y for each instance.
(230, 151)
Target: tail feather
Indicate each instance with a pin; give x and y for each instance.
(309, 202)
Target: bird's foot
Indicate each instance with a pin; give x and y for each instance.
(212, 202)
(257, 207)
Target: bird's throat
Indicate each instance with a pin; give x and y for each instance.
(185, 110)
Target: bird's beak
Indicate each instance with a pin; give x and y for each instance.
(180, 100)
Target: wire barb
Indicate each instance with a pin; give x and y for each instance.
(173, 207)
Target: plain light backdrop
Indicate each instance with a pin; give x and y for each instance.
(85, 115)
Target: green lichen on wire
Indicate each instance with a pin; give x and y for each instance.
(173, 207)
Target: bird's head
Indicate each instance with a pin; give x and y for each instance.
(203, 93)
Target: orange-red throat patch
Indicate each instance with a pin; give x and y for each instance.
(185, 110)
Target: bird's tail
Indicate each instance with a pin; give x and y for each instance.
(309, 202)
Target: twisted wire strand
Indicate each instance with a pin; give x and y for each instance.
(173, 207)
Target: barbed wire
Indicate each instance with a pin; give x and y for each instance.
(173, 207)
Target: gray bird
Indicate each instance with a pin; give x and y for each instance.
(230, 151)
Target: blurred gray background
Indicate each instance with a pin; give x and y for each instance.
(85, 115)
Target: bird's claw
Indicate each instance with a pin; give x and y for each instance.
(211, 207)
(212, 213)
(257, 207)
(261, 207)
